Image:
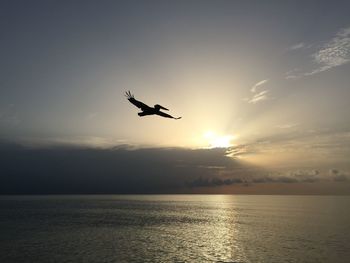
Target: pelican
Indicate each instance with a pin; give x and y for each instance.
(147, 110)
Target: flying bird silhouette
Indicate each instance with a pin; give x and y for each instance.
(147, 110)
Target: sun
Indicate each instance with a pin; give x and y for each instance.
(214, 140)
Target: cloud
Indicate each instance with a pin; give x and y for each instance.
(297, 46)
(258, 96)
(335, 52)
(298, 148)
(293, 176)
(333, 171)
(261, 96)
(308, 176)
(338, 176)
(287, 125)
(298, 176)
(212, 182)
(68, 169)
(122, 169)
(257, 85)
(71, 142)
(293, 74)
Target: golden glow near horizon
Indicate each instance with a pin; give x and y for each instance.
(214, 140)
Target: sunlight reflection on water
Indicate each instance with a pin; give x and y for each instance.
(174, 228)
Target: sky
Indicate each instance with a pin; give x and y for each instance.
(262, 88)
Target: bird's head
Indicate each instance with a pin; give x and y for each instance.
(158, 107)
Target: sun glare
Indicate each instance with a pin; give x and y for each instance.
(214, 140)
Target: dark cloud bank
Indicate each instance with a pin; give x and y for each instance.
(118, 170)
(79, 170)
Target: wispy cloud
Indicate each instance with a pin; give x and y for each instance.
(297, 46)
(258, 96)
(287, 125)
(335, 52)
(257, 85)
(293, 74)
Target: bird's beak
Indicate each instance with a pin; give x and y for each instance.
(163, 107)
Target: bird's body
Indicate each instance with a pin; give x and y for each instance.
(147, 110)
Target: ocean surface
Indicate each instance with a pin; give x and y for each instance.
(174, 228)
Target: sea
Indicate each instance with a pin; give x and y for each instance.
(174, 228)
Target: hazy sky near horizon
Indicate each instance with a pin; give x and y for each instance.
(270, 79)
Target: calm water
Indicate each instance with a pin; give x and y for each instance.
(175, 228)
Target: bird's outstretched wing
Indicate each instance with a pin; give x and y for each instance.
(163, 114)
(137, 103)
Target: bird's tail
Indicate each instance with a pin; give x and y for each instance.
(128, 95)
